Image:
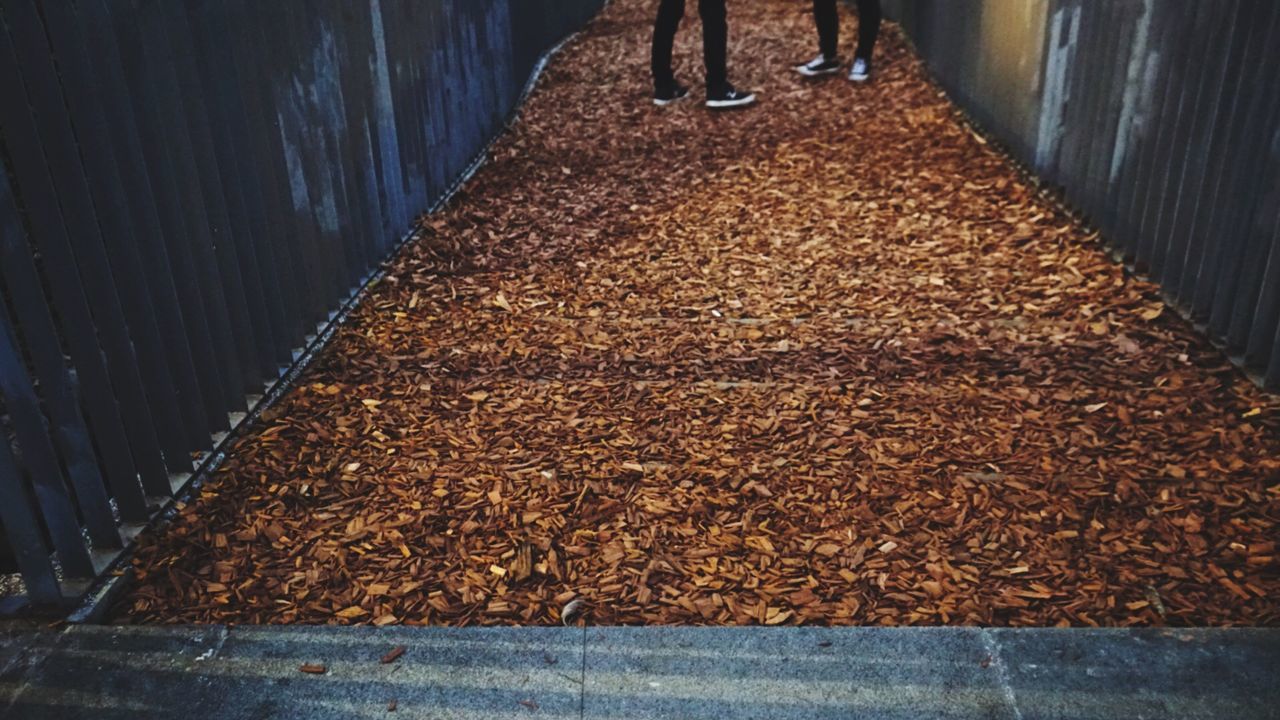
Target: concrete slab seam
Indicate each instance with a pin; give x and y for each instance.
(992, 644)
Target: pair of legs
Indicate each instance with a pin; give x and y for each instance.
(828, 20)
(715, 40)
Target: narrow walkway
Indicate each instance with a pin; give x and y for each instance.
(221, 673)
(830, 360)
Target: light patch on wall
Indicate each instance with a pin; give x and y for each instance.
(1064, 29)
(1012, 47)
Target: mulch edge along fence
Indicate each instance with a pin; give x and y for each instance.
(1160, 126)
(152, 132)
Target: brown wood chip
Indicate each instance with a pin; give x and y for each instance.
(826, 361)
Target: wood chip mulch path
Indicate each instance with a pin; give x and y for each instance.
(828, 360)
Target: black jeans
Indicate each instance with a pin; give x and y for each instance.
(824, 12)
(715, 38)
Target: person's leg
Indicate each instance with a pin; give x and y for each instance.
(715, 40)
(670, 12)
(868, 28)
(828, 21)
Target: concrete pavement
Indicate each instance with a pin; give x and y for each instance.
(645, 673)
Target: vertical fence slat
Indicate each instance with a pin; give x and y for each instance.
(159, 215)
(277, 59)
(23, 533)
(94, 107)
(1186, 187)
(211, 114)
(1235, 225)
(157, 105)
(175, 70)
(74, 292)
(93, 203)
(1177, 93)
(41, 459)
(1182, 154)
(22, 280)
(55, 501)
(268, 166)
(211, 38)
(1199, 234)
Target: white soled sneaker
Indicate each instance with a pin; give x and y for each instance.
(861, 70)
(727, 96)
(818, 67)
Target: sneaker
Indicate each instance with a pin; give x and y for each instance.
(861, 70)
(818, 66)
(727, 97)
(668, 94)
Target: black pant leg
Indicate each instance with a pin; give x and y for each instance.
(868, 27)
(715, 41)
(828, 21)
(670, 12)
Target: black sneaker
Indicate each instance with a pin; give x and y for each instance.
(668, 94)
(727, 96)
(818, 67)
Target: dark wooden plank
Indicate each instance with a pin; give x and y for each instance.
(1229, 201)
(1232, 291)
(1206, 111)
(324, 106)
(267, 160)
(1162, 34)
(56, 504)
(1250, 309)
(354, 58)
(212, 41)
(155, 91)
(1081, 86)
(93, 202)
(176, 72)
(1118, 29)
(345, 16)
(300, 231)
(160, 215)
(261, 163)
(1187, 147)
(1197, 232)
(77, 277)
(216, 155)
(35, 435)
(306, 147)
(1177, 93)
(386, 135)
(17, 512)
(400, 46)
(1265, 324)
(22, 281)
(95, 110)
(278, 63)
(1272, 378)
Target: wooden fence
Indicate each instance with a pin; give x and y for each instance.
(190, 188)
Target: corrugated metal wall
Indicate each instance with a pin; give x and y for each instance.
(1160, 120)
(187, 190)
